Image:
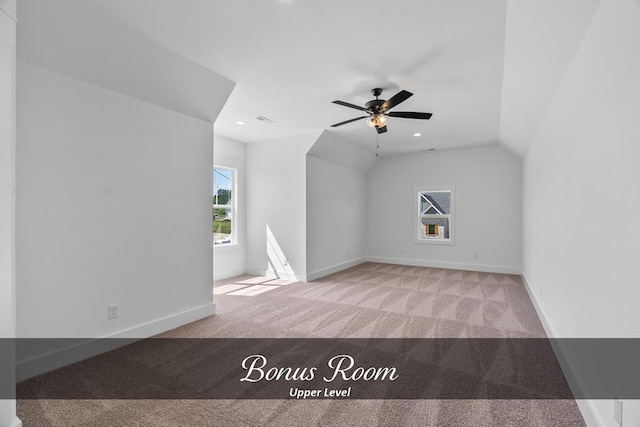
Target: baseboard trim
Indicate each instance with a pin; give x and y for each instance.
(334, 269)
(536, 304)
(90, 347)
(444, 264)
(585, 406)
(16, 422)
(276, 274)
(228, 275)
(260, 272)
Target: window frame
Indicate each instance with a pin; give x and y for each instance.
(418, 189)
(233, 206)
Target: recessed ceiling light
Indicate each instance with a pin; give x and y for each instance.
(240, 122)
(417, 134)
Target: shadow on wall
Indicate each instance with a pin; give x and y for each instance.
(278, 263)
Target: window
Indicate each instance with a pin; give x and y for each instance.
(223, 205)
(434, 219)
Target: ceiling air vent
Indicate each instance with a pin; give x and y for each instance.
(265, 120)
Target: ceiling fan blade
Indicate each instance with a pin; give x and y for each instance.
(382, 129)
(396, 99)
(348, 121)
(346, 104)
(410, 115)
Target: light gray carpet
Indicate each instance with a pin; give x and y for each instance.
(370, 300)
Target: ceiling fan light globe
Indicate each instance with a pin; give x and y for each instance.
(377, 121)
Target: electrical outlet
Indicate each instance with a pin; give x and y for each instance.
(285, 261)
(475, 256)
(540, 289)
(617, 411)
(346, 254)
(113, 311)
(402, 251)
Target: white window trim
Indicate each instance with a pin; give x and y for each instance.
(416, 219)
(234, 207)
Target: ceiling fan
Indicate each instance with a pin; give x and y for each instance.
(378, 110)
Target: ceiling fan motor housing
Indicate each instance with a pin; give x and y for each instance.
(374, 105)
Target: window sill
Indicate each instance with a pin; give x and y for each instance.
(450, 242)
(225, 245)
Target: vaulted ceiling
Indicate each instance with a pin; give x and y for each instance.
(487, 70)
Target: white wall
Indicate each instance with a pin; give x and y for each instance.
(336, 204)
(487, 216)
(113, 207)
(336, 220)
(229, 260)
(541, 38)
(581, 173)
(276, 206)
(7, 206)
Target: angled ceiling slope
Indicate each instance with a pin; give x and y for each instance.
(541, 40)
(485, 81)
(291, 58)
(334, 149)
(71, 38)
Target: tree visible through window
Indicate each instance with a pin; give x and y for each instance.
(223, 206)
(435, 215)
